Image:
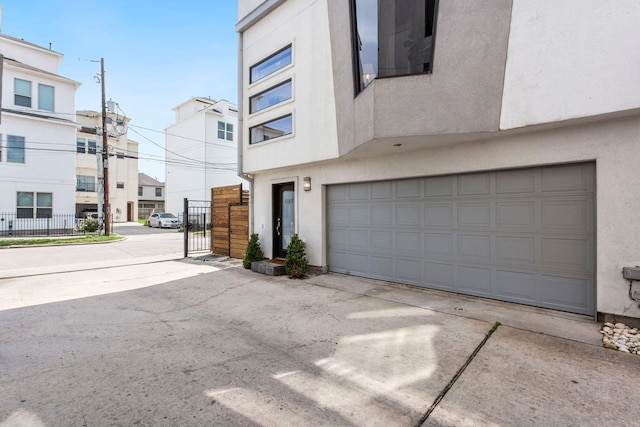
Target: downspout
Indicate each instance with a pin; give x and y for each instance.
(241, 173)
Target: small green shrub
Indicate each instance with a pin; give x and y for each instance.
(90, 225)
(253, 252)
(295, 263)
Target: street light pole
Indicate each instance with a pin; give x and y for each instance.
(105, 156)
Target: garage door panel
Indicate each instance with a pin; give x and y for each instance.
(518, 215)
(382, 268)
(438, 245)
(474, 184)
(359, 191)
(474, 247)
(438, 186)
(382, 190)
(524, 235)
(565, 215)
(474, 215)
(438, 275)
(409, 270)
(566, 293)
(566, 178)
(359, 264)
(408, 243)
(408, 215)
(359, 215)
(521, 181)
(409, 188)
(438, 215)
(382, 215)
(382, 241)
(516, 250)
(565, 254)
(474, 280)
(359, 240)
(516, 286)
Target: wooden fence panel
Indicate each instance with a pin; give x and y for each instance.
(230, 224)
(239, 231)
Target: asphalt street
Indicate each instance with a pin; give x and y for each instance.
(128, 333)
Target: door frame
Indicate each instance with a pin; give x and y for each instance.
(276, 203)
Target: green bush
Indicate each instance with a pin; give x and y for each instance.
(91, 225)
(295, 263)
(253, 252)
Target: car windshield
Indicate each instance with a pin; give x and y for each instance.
(167, 215)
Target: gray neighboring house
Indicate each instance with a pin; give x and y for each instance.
(150, 196)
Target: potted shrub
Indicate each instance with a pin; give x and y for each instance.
(295, 263)
(253, 252)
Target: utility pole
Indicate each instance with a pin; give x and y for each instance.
(105, 156)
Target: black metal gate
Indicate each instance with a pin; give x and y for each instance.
(196, 219)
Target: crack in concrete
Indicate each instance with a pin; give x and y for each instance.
(444, 391)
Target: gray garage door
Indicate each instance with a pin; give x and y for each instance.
(525, 235)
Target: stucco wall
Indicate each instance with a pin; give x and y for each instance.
(570, 59)
(612, 144)
(303, 24)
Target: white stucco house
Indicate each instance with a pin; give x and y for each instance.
(37, 136)
(482, 148)
(123, 165)
(201, 151)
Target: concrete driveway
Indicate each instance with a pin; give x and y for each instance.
(224, 346)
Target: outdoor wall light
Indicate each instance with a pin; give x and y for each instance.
(307, 183)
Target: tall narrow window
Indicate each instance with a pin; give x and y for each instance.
(270, 65)
(139, 191)
(24, 204)
(46, 95)
(22, 89)
(81, 145)
(270, 97)
(158, 191)
(393, 38)
(44, 205)
(15, 149)
(91, 147)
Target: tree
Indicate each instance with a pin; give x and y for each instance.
(295, 263)
(253, 252)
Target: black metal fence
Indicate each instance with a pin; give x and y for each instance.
(11, 225)
(196, 220)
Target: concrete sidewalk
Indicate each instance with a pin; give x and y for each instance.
(234, 348)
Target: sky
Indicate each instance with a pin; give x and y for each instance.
(157, 54)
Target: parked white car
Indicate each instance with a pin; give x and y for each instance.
(163, 220)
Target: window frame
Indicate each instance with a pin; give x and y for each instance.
(251, 130)
(120, 185)
(37, 209)
(11, 149)
(140, 191)
(79, 142)
(359, 85)
(88, 186)
(266, 91)
(41, 105)
(28, 97)
(92, 146)
(158, 190)
(288, 47)
(226, 130)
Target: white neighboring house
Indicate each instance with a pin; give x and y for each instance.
(502, 166)
(123, 165)
(150, 196)
(37, 136)
(200, 151)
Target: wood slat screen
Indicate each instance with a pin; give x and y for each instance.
(230, 225)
